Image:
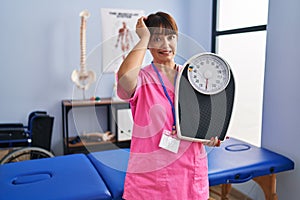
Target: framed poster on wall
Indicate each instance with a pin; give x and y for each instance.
(118, 36)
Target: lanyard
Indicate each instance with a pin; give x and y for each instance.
(167, 94)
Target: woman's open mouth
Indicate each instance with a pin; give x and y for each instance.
(165, 52)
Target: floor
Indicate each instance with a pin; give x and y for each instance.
(215, 194)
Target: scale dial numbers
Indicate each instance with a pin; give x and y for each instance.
(208, 73)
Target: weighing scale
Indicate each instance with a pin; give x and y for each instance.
(204, 97)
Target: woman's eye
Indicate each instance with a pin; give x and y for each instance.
(156, 39)
(172, 37)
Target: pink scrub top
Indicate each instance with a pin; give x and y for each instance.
(153, 172)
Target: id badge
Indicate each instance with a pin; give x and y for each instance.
(169, 142)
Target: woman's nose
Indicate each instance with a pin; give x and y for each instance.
(165, 42)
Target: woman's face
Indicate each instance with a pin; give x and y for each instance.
(163, 47)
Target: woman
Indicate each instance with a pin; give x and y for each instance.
(160, 165)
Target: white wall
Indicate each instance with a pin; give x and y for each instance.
(40, 49)
(281, 121)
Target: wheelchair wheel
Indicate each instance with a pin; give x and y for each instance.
(26, 153)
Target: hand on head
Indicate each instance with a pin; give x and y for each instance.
(141, 28)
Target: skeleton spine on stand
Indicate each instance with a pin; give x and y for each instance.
(83, 78)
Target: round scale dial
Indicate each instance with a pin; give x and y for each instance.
(208, 73)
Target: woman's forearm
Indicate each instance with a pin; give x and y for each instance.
(129, 69)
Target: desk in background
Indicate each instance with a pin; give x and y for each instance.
(111, 109)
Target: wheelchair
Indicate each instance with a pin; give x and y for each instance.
(27, 142)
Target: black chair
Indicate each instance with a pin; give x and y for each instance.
(34, 139)
(40, 129)
(13, 135)
(37, 132)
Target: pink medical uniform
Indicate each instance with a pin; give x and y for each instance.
(154, 172)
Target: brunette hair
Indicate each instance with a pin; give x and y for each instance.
(161, 22)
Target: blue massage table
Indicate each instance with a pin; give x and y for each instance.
(100, 175)
(63, 177)
(237, 162)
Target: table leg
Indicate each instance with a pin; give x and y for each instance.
(268, 185)
(225, 191)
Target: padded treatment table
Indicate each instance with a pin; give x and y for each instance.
(233, 162)
(112, 166)
(237, 162)
(100, 175)
(63, 177)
